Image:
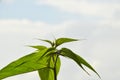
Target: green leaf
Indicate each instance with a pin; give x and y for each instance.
(79, 60)
(48, 41)
(28, 63)
(48, 73)
(60, 41)
(39, 47)
(58, 64)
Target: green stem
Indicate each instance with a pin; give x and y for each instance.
(55, 73)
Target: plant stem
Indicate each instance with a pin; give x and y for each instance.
(55, 73)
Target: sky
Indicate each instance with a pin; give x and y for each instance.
(22, 22)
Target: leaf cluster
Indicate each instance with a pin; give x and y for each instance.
(45, 60)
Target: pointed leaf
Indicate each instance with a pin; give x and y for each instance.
(39, 47)
(58, 64)
(79, 60)
(48, 73)
(25, 64)
(60, 41)
(48, 41)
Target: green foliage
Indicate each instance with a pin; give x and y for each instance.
(39, 47)
(44, 60)
(60, 41)
(48, 41)
(24, 65)
(48, 73)
(79, 60)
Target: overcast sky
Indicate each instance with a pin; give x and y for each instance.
(22, 22)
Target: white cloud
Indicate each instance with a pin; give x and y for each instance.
(106, 55)
(28, 26)
(111, 22)
(83, 7)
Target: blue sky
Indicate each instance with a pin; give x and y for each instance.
(97, 21)
(26, 10)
